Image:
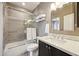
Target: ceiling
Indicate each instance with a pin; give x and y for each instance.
(30, 6)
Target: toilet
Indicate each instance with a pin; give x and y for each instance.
(31, 36)
(31, 47)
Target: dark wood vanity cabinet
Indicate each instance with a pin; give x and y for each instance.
(47, 50)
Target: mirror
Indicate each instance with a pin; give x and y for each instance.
(56, 23)
(63, 18)
(69, 22)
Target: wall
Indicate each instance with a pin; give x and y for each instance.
(43, 8)
(41, 28)
(14, 23)
(1, 28)
(67, 9)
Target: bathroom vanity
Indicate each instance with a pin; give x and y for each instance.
(57, 47)
(47, 50)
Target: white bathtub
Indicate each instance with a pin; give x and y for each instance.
(15, 49)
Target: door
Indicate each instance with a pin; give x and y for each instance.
(57, 52)
(44, 49)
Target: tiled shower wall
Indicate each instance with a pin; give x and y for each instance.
(14, 25)
(43, 8)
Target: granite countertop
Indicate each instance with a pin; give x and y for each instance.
(69, 46)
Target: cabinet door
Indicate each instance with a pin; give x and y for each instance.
(44, 49)
(47, 50)
(57, 52)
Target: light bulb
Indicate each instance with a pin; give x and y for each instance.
(59, 4)
(53, 6)
(23, 4)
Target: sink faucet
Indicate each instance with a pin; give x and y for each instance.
(59, 37)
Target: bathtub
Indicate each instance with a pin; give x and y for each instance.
(16, 48)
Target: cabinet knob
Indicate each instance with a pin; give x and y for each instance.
(46, 46)
(49, 47)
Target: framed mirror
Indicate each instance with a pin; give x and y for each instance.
(63, 18)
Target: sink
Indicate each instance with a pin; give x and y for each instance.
(57, 40)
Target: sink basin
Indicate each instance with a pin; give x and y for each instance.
(61, 41)
(56, 39)
(52, 39)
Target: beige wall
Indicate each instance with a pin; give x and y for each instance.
(14, 23)
(1, 28)
(67, 9)
(44, 7)
(11, 26)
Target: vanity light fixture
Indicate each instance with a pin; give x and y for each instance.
(53, 6)
(23, 4)
(56, 5)
(59, 4)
